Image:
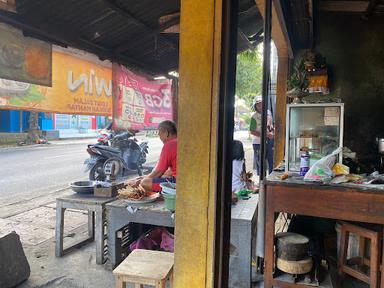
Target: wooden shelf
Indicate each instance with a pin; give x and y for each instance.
(285, 281)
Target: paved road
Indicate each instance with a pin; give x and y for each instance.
(28, 172)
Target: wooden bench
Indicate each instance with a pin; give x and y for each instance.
(145, 267)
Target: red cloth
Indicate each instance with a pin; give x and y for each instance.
(168, 157)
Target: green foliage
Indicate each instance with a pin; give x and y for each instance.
(249, 75)
(246, 117)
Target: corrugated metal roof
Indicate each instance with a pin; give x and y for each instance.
(127, 31)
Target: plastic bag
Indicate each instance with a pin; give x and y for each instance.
(321, 170)
(340, 169)
(156, 239)
(167, 241)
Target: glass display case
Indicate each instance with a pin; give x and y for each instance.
(316, 128)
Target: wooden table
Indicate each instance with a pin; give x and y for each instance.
(243, 232)
(118, 216)
(95, 207)
(345, 202)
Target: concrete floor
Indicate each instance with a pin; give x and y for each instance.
(36, 228)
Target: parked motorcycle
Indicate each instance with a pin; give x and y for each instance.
(125, 153)
(105, 137)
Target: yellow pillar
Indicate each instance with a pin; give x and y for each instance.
(199, 68)
(281, 102)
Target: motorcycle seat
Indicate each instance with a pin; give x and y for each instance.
(109, 149)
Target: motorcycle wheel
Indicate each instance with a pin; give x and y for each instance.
(97, 172)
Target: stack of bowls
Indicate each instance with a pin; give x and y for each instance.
(168, 190)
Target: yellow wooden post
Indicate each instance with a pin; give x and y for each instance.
(281, 101)
(199, 68)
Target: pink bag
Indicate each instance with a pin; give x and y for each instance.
(156, 239)
(167, 241)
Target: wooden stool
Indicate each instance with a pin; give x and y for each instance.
(373, 262)
(145, 267)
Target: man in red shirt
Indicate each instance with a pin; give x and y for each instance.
(165, 170)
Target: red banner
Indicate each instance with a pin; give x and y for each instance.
(139, 103)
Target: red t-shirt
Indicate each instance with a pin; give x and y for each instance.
(168, 157)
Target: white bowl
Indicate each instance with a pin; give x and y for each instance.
(168, 188)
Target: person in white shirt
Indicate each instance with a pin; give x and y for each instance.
(255, 130)
(238, 167)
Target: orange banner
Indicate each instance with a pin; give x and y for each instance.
(78, 87)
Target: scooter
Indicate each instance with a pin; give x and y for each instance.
(105, 137)
(125, 153)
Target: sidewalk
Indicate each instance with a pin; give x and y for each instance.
(77, 133)
(34, 220)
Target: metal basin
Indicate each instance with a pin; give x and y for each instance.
(83, 187)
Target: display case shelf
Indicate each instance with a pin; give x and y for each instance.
(317, 128)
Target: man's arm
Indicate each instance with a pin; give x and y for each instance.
(155, 173)
(256, 133)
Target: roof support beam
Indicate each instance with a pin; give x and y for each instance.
(78, 42)
(111, 5)
(244, 38)
(279, 29)
(173, 25)
(371, 6)
(125, 46)
(13, 21)
(344, 6)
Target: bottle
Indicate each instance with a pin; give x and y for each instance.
(304, 162)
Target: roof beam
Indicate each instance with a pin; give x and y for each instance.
(279, 28)
(371, 6)
(173, 25)
(243, 37)
(344, 6)
(13, 21)
(78, 42)
(126, 45)
(111, 5)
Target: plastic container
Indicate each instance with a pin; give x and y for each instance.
(168, 188)
(170, 201)
(304, 163)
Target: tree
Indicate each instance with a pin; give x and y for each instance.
(249, 75)
(34, 133)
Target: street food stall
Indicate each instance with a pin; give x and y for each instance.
(131, 35)
(137, 35)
